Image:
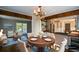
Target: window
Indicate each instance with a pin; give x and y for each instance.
(21, 27)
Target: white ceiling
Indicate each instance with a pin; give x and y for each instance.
(49, 10)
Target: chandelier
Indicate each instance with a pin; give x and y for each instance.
(39, 11)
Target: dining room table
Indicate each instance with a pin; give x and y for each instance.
(41, 43)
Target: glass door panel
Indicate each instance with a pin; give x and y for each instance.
(19, 27)
(24, 28)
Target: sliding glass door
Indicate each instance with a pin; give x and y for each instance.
(21, 27)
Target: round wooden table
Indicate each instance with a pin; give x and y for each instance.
(40, 43)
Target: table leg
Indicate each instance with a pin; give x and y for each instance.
(40, 49)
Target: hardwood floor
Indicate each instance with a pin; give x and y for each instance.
(13, 48)
(59, 38)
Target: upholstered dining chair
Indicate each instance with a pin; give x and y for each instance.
(29, 35)
(61, 47)
(22, 46)
(52, 35)
(3, 40)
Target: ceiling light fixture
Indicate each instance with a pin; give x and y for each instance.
(39, 12)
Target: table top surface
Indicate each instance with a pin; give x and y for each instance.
(41, 42)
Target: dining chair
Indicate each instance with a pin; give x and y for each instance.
(52, 35)
(29, 35)
(46, 34)
(22, 46)
(15, 36)
(4, 38)
(61, 47)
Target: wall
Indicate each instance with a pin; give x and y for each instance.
(10, 24)
(59, 24)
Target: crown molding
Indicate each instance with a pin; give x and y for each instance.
(9, 13)
(65, 14)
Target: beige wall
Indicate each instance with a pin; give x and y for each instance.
(60, 27)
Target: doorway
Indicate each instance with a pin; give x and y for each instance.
(67, 27)
(52, 28)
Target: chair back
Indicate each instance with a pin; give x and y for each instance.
(52, 35)
(29, 35)
(22, 46)
(47, 34)
(3, 39)
(63, 44)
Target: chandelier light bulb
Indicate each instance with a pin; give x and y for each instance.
(39, 12)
